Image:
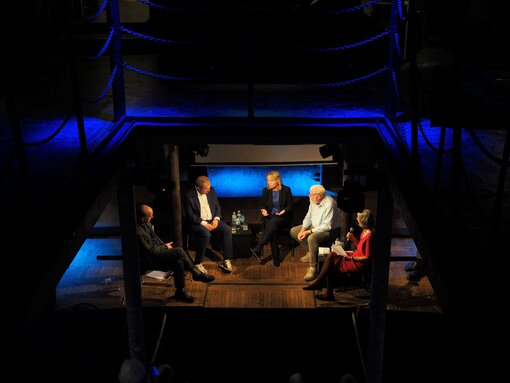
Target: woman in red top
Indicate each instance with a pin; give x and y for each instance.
(353, 262)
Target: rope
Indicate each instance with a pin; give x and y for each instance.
(157, 39)
(108, 86)
(349, 46)
(161, 76)
(395, 83)
(105, 46)
(348, 82)
(169, 9)
(50, 137)
(484, 150)
(349, 10)
(429, 144)
(99, 12)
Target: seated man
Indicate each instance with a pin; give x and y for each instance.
(155, 254)
(203, 220)
(320, 225)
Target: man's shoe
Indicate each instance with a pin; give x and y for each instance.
(305, 258)
(311, 274)
(276, 261)
(202, 277)
(312, 287)
(416, 275)
(183, 296)
(201, 268)
(256, 254)
(226, 265)
(325, 297)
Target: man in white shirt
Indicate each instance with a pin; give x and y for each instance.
(321, 225)
(203, 217)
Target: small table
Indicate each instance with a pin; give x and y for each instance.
(241, 242)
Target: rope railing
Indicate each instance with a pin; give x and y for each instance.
(396, 37)
(105, 90)
(200, 78)
(341, 11)
(348, 46)
(96, 16)
(429, 144)
(347, 82)
(400, 10)
(170, 9)
(54, 134)
(470, 194)
(484, 150)
(103, 49)
(395, 83)
(162, 76)
(158, 39)
(476, 140)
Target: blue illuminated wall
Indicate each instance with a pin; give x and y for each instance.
(248, 181)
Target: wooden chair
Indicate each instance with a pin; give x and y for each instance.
(352, 281)
(154, 286)
(284, 238)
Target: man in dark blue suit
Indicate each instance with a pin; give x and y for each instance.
(203, 217)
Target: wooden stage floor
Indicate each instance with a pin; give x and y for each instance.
(252, 285)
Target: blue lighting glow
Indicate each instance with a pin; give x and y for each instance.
(248, 181)
(86, 258)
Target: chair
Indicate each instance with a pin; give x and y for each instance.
(349, 281)
(352, 281)
(189, 242)
(155, 284)
(282, 237)
(188, 239)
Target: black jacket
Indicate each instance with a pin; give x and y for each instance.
(285, 201)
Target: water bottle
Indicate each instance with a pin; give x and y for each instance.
(244, 225)
(234, 218)
(238, 218)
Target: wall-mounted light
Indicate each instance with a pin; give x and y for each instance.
(201, 150)
(331, 150)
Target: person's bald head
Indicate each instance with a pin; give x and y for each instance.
(145, 212)
(132, 371)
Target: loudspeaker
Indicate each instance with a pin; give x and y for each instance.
(332, 176)
(350, 199)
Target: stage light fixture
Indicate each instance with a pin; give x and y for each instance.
(325, 151)
(331, 150)
(201, 150)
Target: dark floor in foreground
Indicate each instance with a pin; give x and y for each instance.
(234, 345)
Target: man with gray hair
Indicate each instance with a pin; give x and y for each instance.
(320, 226)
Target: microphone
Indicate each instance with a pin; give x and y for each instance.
(351, 230)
